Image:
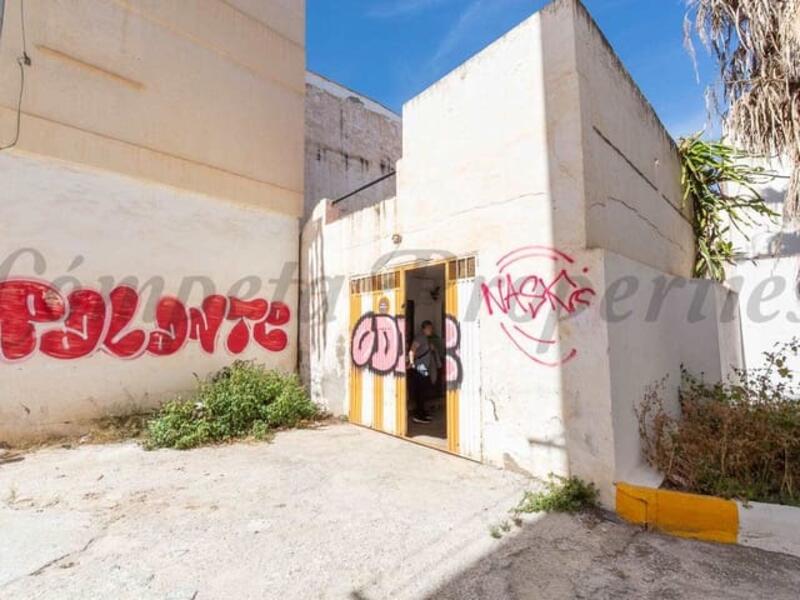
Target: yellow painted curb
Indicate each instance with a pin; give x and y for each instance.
(684, 515)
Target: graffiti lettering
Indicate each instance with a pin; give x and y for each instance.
(521, 297)
(86, 322)
(454, 372)
(378, 344)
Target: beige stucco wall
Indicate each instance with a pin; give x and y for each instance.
(161, 148)
(203, 96)
(72, 227)
(350, 141)
(500, 155)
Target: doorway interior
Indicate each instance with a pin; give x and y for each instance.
(425, 301)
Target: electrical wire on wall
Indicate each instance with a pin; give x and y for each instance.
(23, 61)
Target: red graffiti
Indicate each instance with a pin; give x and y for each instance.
(23, 303)
(124, 302)
(523, 298)
(205, 322)
(86, 322)
(82, 329)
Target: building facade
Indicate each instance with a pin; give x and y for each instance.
(151, 201)
(538, 223)
(351, 141)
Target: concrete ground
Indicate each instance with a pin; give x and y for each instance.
(337, 512)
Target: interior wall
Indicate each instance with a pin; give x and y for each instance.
(420, 285)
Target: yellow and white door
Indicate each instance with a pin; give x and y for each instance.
(462, 361)
(377, 352)
(377, 386)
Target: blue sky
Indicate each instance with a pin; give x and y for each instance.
(390, 50)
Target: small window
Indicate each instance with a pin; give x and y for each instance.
(463, 268)
(375, 283)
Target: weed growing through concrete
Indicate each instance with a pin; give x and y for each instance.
(564, 495)
(498, 531)
(240, 401)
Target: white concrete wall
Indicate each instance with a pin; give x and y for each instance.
(631, 163)
(656, 324)
(767, 274)
(475, 150)
(350, 142)
(94, 230)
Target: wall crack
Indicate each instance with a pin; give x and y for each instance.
(633, 209)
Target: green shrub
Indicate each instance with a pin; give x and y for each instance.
(739, 439)
(243, 400)
(561, 495)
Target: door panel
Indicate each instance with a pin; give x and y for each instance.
(451, 356)
(468, 377)
(376, 352)
(377, 394)
(462, 361)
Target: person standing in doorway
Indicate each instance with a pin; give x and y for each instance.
(424, 362)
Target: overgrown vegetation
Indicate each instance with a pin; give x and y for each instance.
(756, 45)
(240, 401)
(739, 439)
(719, 182)
(564, 495)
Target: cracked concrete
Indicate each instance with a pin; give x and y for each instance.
(640, 216)
(338, 512)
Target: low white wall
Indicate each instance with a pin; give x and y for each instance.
(767, 274)
(770, 306)
(656, 324)
(68, 228)
(770, 527)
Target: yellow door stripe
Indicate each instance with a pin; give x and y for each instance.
(377, 400)
(401, 415)
(451, 308)
(355, 373)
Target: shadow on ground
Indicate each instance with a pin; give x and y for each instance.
(593, 557)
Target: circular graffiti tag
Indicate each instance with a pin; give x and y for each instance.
(536, 287)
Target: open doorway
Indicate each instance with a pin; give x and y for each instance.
(426, 386)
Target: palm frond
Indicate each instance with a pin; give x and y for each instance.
(756, 44)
